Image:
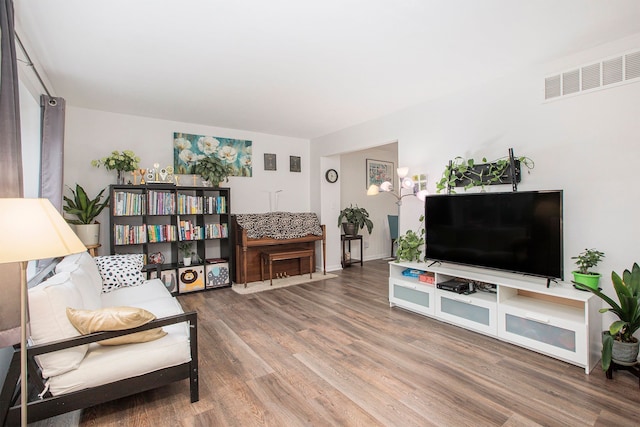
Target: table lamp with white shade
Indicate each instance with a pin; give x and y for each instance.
(31, 229)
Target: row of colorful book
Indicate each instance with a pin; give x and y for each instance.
(126, 203)
(125, 234)
(162, 233)
(161, 203)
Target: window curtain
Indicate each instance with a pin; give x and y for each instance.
(10, 168)
(52, 149)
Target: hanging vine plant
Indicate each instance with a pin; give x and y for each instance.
(468, 174)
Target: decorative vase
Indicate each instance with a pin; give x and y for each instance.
(186, 261)
(120, 179)
(89, 234)
(349, 228)
(589, 280)
(626, 352)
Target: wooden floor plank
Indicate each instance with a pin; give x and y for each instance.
(334, 353)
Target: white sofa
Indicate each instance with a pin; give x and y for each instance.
(74, 371)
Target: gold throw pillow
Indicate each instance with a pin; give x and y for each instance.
(115, 319)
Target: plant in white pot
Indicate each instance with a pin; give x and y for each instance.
(618, 343)
(585, 261)
(85, 210)
(185, 250)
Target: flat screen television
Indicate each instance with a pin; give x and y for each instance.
(518, 232)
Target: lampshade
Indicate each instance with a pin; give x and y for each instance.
(422, 195)
(386, 186)
(32, 229)
(402, 172)
(373, 190)
(407, 183)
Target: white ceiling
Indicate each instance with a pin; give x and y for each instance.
(297, 67)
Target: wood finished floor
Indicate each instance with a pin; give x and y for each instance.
(334, 353)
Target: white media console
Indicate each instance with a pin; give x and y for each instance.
(558, 321)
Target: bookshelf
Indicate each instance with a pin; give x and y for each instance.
(153, 219)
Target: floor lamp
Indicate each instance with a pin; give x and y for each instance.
(31, 229)
(404, 182)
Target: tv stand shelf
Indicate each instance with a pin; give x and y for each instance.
(558, 321)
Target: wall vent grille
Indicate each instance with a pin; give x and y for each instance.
(607, 73)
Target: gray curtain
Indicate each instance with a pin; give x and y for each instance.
(10, 169)
(52, 149)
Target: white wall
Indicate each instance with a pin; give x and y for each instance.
(353, 191)
(92, 134)
(586, 145)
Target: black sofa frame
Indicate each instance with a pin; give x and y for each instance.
(49, 405)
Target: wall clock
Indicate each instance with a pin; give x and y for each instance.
(331, 175)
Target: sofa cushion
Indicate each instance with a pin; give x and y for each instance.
(85, 276)
(115, 319)
(131, 296)
(120, 271)
(48, 322)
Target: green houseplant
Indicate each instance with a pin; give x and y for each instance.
(618, 343)
(85, 210)
(585, 261)
(355, 219)
(410, 244)
(125, 161)
(475, 174)
(213, 170)
(185, 250)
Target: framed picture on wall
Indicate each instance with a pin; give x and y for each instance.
(294, 164)
(270, 162)
(379, 171)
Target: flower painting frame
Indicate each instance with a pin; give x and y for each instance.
(379, 171)
(189, 148)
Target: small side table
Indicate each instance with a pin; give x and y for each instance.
(346, 243)
(93, 249)
(634, 368)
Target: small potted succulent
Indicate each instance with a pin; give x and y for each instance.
(355, 219)
(213, 170)
(585, 261)
(85, 210)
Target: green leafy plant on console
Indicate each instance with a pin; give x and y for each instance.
(213, 169)
(359, 217)
(477, 174)
(411, 243)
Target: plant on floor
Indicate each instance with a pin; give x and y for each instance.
(627, 289)
(410, 244)
(359, 217)
(476, 174)
(585, 261)
(213, 170)
(83, 207)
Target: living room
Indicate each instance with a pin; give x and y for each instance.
(582, 143)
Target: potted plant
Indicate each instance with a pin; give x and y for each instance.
(185, 249)
(85, 210)
(125, 161)
(213, 170)
(618, 343)
(355, 219)
(585, 261)
(410, 244)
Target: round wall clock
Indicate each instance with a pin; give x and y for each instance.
(331, 175)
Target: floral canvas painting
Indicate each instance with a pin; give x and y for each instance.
(188, 149)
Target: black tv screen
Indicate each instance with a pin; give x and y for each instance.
(518, 232)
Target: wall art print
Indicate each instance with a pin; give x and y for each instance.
(188, 149)
(379, 171)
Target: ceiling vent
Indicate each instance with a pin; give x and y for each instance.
(601, 75)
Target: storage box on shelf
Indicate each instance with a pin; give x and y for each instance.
(559, 321)
(152, 219)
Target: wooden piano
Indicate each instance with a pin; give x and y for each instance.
(257, 233)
